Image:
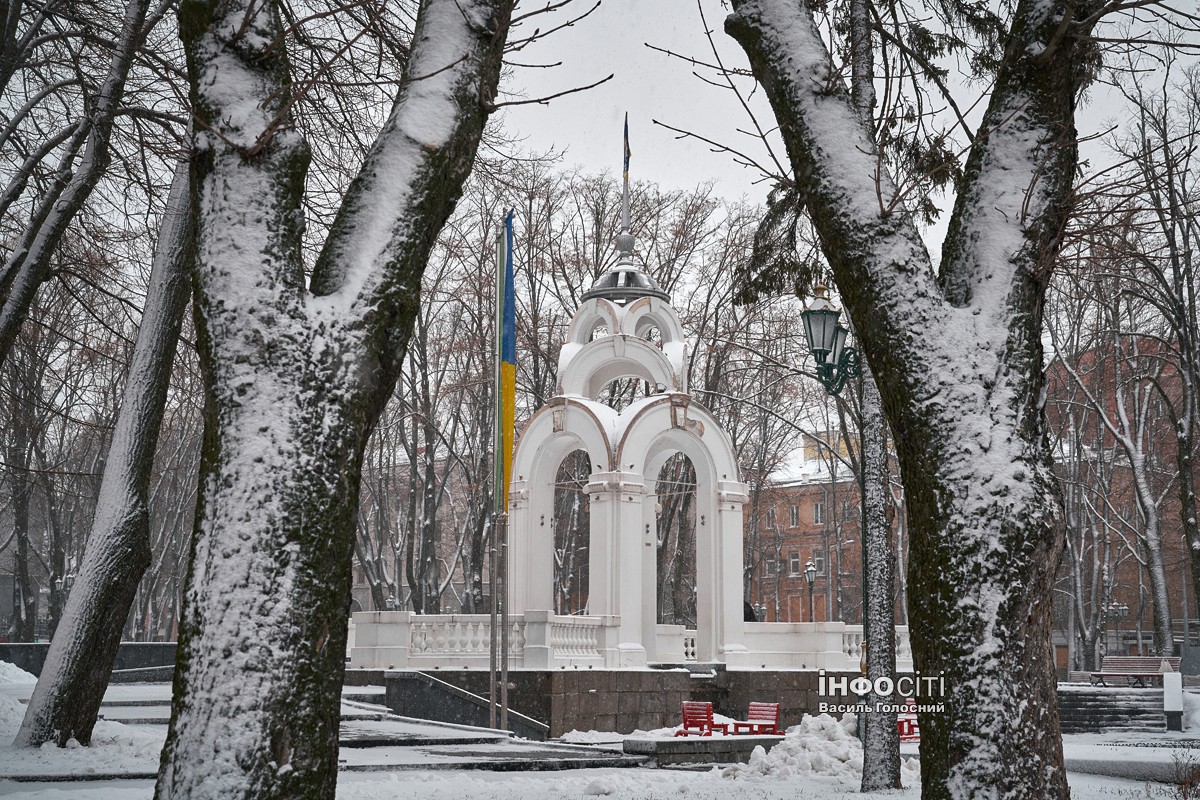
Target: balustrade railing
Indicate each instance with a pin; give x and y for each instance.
(575, 637)
(436, 636)
(540, 640)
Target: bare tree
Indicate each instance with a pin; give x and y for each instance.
(77, 668)
(84, 142)
(957, 353)
(297, 372)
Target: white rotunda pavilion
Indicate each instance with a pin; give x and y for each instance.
(625, 328)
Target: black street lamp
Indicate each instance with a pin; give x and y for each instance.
(836, 363)
(1119, 612)
(810, 575)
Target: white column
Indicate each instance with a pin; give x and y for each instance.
(731, 497)
(708, 577)
(530, 546)
(615, 574)
(539, 654)
(649, 576)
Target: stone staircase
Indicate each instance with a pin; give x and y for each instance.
(1097, 709)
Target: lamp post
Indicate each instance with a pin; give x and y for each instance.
(836, 363)
(1119, 612)
(810, 575)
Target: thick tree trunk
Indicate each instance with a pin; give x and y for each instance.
(77, 668)
(296, 379)
(958, 359)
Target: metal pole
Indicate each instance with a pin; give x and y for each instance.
(502, 531)
(497, 488)
(493, 655)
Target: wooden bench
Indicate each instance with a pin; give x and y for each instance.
(698, 720)
(763, 719)
(1135, 669)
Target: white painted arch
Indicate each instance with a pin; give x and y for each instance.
(600, 362)
(627, 450)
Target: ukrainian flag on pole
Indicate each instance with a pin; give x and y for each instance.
(506, 379)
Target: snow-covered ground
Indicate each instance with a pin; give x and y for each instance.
(817, 759)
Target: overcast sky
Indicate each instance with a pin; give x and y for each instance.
(653, 86)
(647, 84)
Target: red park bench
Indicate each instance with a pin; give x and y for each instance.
(1136, 669)
(762, 719)
(698, 720)
(906, 722)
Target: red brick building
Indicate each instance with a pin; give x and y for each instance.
(810, 513)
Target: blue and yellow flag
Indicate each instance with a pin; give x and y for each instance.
(506, 388)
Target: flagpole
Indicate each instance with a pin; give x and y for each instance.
(497, 480)
(507, 435)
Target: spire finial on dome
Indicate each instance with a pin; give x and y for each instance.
(625, 238)
(627, 280)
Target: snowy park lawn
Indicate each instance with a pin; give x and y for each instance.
(817, 759)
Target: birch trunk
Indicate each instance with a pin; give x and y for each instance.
(958, 359)
(296, 378)
(80, 660)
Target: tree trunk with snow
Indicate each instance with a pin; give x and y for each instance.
(296, 377)
(81, 656)
(881, 737)
(958, 358)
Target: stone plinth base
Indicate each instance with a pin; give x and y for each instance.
(623, 701)
(699, 749)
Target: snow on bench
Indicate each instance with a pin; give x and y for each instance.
(762, 719)
(1134, 668)
(698, 720)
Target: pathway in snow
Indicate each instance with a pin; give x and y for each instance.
(816, 760)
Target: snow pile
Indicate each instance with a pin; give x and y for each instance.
(11, 673)
(817, 746)
(1191, 711)
(12, 711)
(115, 748)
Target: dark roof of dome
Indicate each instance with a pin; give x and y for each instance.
(624, 282)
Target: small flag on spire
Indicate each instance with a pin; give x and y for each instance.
(627, 147)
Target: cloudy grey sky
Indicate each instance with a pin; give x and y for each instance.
(652, 86)
(647, 84)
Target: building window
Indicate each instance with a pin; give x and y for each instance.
(845, 509)
(795, 520)
(819, 513)
(818, 559)
(770, 518)
(794, 563)
(769, 566)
